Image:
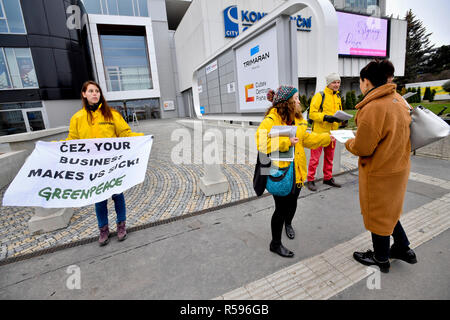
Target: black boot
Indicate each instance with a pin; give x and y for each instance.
(332, 183)
(290, 231)
(368, 259)
(281, 250)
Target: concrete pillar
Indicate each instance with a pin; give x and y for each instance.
(214, 181)
(49, 219)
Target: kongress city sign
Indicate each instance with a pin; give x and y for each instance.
(248, 18)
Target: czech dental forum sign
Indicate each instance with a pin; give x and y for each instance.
(257, 71)
(248, 18)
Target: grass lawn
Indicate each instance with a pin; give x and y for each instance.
(435, 106)
(351, 122)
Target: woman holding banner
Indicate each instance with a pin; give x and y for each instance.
(97, 120)
(286, 111)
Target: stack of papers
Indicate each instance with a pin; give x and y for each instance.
(283, 131)
(341, 115)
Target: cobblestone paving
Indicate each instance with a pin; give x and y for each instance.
(168, 191)
(439, 149)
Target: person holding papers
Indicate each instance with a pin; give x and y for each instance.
(97, 120)
(286, 111)
(322, 109)
(383, 145)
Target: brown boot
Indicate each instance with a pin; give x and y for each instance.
(104, 236)
(311, 185)
(121, 231)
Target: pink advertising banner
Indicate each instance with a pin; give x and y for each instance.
(362, 35)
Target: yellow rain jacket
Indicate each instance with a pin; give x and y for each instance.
(266, 145)
(100, 128)
(331, 104)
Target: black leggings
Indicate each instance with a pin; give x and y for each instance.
(285, 208)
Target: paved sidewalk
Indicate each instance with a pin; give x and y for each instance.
(224, 253)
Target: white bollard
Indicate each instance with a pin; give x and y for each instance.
(49, 219)
(214, 181)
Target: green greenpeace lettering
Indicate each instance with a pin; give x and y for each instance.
(57, 193)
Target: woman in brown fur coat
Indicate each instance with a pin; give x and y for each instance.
(383, 145)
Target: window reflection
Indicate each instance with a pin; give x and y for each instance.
(12, 122)
(15, 116)
(143, 9)
(360, 5)
(112, 7)
(11, 20)
(117, 7)
(17, 69)
(125, 8)
(126, 62)
(5, 82)
(35, 120)
(93, 6)
(140, 109)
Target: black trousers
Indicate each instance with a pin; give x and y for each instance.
(285, 208)
(381, 243)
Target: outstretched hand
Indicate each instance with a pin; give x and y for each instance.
(294, 140)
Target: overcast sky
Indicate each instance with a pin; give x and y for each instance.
(433, 13)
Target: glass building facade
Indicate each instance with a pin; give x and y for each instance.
(125, 58)
(136, 8)
(17, 69)
(41, 60)
(361, 6)
(21, 117)
(11, 18)
(126, 62)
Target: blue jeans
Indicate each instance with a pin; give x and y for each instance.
(101, 210)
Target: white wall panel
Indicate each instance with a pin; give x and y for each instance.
(201, 34)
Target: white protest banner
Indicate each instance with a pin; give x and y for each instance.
(77, 173)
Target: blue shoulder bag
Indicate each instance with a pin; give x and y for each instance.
(281, 181)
